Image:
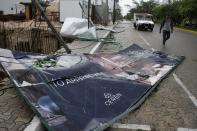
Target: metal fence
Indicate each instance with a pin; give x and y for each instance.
(28, 37)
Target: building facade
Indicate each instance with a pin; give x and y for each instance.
(12, 6)
(101, 10)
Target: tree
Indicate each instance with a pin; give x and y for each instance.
(142, 7)
(182, 11)
(187, 9)
(168, 9)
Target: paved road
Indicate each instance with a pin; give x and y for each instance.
(169, 107)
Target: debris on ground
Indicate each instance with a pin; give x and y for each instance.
(86, 91)
(77, 28)
(101, 27)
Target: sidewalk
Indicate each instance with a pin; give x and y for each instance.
(78, 46)
(15, 114)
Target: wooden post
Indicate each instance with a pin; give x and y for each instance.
(27, 12)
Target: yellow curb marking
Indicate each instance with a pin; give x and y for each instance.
(186, 30)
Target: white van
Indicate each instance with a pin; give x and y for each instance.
(143, 21)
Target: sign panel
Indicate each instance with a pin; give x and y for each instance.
(85, 92)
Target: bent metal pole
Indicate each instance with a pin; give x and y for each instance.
(57, 34)
(89, 5)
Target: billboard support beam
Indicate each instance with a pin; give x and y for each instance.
(114, 12)
(57, 34)
(89, 5)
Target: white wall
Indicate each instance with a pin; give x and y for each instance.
(70, 8)
(97, 2)
(111, 5)
(7, 5)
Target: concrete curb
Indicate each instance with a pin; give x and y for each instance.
(35, 124)
(99, 44)
(186, 30)
(131, 127)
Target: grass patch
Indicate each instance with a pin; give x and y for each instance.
(187, 28)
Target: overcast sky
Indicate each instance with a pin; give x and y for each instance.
(126, 5)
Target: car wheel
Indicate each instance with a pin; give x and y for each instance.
(151, 29)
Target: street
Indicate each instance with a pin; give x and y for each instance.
(172, 106)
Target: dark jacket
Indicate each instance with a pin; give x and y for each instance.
(163, 22)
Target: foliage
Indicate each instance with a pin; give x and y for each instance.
(142, 7)
(183, 12)
(188, 9)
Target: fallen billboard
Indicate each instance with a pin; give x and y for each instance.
(83, 91)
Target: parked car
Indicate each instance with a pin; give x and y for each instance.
(143, 21)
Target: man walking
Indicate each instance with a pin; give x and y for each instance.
(167, 26)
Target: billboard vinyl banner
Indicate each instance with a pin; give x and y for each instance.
(82, 92)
